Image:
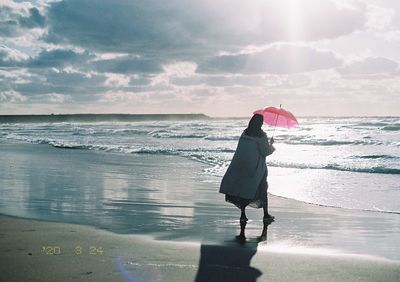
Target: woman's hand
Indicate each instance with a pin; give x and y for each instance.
(272, 140)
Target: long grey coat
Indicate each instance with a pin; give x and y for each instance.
(247, 167)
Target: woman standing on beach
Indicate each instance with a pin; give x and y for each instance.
(245, 181)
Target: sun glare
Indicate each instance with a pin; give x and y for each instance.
(294, 20)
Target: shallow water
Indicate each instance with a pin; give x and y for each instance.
(171, 198)
(342, 162)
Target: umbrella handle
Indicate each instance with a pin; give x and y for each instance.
(276, 121)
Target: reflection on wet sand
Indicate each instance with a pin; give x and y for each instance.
(230, 261)
(171, 199)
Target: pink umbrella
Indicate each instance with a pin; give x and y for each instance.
(278, 117)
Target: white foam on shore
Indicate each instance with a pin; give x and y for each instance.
(286, 247)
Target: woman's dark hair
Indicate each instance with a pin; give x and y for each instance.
(254, 127)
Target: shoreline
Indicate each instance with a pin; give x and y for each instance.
(334, 207)
(159, 218)
(170, 198)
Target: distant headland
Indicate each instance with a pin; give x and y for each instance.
(97, 117)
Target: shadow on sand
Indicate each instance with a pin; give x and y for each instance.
(231, 260)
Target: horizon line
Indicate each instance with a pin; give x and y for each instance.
(181, 114)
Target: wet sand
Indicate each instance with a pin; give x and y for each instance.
(157, 218)
(45, 251)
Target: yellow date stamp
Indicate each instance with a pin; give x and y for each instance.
(77, 250)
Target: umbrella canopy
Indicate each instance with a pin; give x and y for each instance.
(278, 117)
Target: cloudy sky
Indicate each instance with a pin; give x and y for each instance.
(219, 57)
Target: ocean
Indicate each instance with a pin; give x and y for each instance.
(351, 163)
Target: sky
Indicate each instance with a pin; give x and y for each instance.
(219, 57)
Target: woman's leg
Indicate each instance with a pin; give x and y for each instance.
(243, 214)
(265, 208)
(243, 221)
(243, 224)
(267, 216)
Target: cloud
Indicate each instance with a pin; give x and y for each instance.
(54, 98)
(11, 57)
(144, 55)
(38, 84)
(35, 19)
(128, 64)
(378, 18)
(16, 18)
(12, 96)
(254, 80)
(392, 35)
(58, 58)
(77, 79)
(370, 66)
(185, 29)
(219, 80)
(278, 59)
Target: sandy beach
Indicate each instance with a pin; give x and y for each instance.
(100, 216)
(43, 251)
